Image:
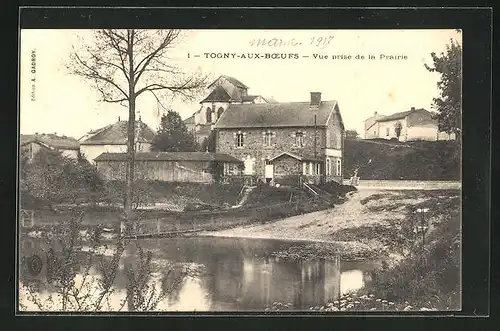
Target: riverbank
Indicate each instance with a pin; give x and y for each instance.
(416, 274)
(371, 223)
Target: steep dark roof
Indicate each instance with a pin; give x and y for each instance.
(116, 134)
(289, 114)
(170, 156)
(399, 116)
(51, 140)
(219, 94)
(232, 80)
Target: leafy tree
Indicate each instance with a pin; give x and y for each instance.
(449, 104)
(173, 135)
(53, 178)
(124, 64)
(351, 134)
(397, 128)
(208, 143)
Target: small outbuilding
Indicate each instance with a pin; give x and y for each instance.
(195, 167)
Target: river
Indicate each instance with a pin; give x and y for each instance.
(235, 274)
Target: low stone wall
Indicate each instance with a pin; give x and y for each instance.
(406, 184)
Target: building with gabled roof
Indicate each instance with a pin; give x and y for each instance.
(413, 124)
(113, 139)
(222, 92)
(31, 144)
(284, 142)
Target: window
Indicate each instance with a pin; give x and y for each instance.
(267, 162)
(239, 139)
(299, 139)
(338, 167)
(219, 112)
(387, 132)
(310, 168)
(327, 166)
(318, 168)
(304, 168)
(267, 139)
(209, 115)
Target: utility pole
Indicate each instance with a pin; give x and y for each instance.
(315, 138)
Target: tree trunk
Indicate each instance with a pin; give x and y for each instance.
(129, 174)
(130, 161)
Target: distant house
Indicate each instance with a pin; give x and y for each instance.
(224, 91)
(371, 131)
(196, 167)
(31, 144)
(416, 124)
(113, 139)
(284, 142)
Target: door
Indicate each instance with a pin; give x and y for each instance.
(249, 162)
(269, 171)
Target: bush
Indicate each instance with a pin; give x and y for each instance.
(53, 178)
(431, 277)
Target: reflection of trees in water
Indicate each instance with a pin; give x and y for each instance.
(172, 280)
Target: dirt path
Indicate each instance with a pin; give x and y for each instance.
(319, 226)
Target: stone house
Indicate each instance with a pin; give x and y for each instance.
(415, 124)
(31, 144)
(224, 91)
(284, 142)
(113, 139)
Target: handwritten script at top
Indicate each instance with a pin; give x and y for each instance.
(317, 41)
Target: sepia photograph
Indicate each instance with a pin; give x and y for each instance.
(218, 170)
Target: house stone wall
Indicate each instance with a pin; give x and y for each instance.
(387, 129)
(283, 140)
(286, 165)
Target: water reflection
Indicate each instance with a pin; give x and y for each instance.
(241, 274)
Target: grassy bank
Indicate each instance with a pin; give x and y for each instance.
(417, 160)
(265, 204)
(411, 278)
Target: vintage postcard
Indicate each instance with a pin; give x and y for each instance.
(240, 170)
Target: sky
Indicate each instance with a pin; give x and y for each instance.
(68, 105)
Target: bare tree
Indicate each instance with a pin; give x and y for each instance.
(122, 65)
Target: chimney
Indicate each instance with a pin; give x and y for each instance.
(315, 100)
(375, 113)
(118, 118)
(412, 108)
